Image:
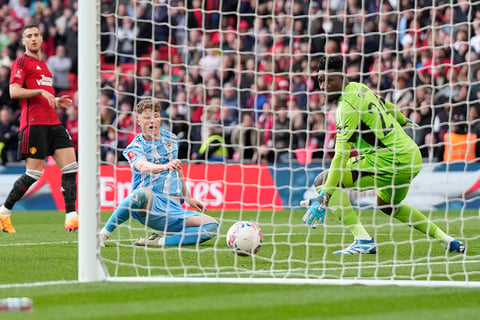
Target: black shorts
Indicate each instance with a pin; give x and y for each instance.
(40, 141)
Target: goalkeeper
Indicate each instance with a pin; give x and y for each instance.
(388, 161)
(159, 188)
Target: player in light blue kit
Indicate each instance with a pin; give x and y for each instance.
(159, 188)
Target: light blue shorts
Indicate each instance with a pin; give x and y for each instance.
(165, 215)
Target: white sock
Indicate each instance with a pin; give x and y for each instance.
(447, 241)
(364, 237)
(4, 211)
(70, 215)
(105, 232)
(161, 241)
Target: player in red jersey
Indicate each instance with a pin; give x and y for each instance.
(41, 132)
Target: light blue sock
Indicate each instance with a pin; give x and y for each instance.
(136, 200)
(193, 235)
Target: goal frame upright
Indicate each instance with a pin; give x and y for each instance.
(89, 263)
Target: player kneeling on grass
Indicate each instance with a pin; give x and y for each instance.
(158, 188)
(389, 160)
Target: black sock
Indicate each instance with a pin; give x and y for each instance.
(20, 187)
(69, 190)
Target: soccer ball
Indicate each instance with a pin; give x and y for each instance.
(244, 238)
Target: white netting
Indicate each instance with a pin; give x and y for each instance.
(246, 70)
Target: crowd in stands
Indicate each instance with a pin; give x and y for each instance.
(237, 79)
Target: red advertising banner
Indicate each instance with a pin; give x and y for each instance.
(220, 187)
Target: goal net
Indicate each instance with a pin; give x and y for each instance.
(246, 72)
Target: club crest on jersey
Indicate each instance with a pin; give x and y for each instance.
(341, 128)
(33, 150)
(131, 155)
(168, 145)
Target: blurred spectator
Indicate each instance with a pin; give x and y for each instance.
(109, 150)
(299, 88)
(4, 37)
(20, 7)
(144, 25)
(245, 78)
(316, 133)
(15, 45)
(107, 113)
(246, 140)
(71, 42)
(400, 95)
(4, 89)
(474, 120)
(62, 20)
(125, 125)
(211, 113)
(71, 124)
(259, 95)
(460, 144)
(213, 89)
(178, 25)
(130, 86)
(226, 73)
(214, 147)
(108, 29)
(8, 137)
(209, 63)
(455, 90)
(230, 107)
(126, 36)
(265, 124)
(60, 64)
(297, 122)
(475, 40)
(161, 23)
(436, 67)
(196, 103)
(178, 123)
(281, 137)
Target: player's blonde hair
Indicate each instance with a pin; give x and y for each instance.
(148, 104)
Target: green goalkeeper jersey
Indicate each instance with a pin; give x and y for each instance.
(374, 127)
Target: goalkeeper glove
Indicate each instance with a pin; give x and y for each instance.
(315, 215)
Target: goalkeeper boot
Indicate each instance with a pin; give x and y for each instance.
(359, 247)
(6, 224)
(153, 240)
(71, 224)
(455, 246)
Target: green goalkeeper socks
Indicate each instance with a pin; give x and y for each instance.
(342, 208)
(415, 218)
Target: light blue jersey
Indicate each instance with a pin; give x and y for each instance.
(161, 151)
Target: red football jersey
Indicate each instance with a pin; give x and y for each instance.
(31, 73)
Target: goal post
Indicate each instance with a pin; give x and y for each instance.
(218, 69)
(89, 264)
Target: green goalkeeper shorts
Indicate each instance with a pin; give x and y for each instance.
(390, 178)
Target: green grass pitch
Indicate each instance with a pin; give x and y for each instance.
(40, 261)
